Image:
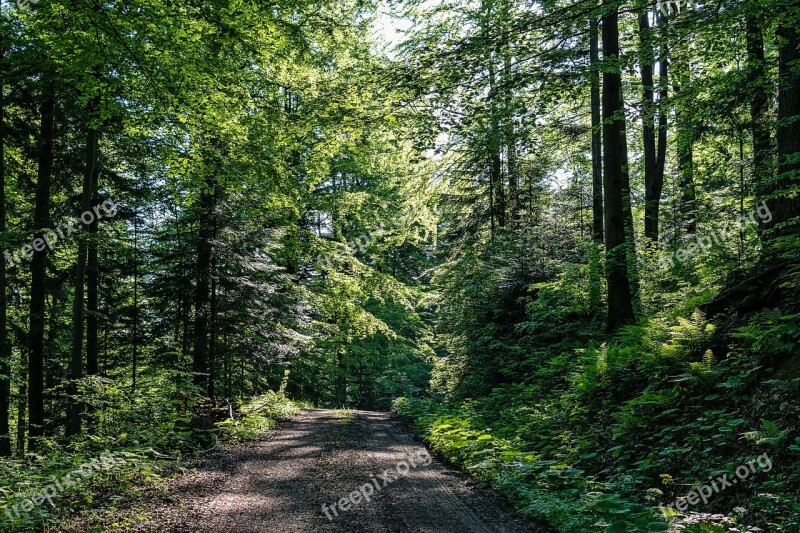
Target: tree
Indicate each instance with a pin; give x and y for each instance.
(597, 133)
(5, 352)
(654, 152)
(78, 305)
(616, 181)
(41, 221)
(784, 202)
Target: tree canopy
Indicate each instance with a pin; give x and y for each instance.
(563, 234)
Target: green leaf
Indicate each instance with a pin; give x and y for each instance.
(617, 527)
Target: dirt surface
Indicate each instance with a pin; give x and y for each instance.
(280, 485)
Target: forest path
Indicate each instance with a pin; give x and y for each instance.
(320, 457)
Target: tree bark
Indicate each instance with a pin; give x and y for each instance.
(78, 304)
(597, 134)
(92, 277)
(494, 144)
(509, 135)
(759, 101)
(135, 328)
(615, 177)
(212, 342)
(784, 202)
(653, 182)
(511, 148)
(663, 113)
(39, 270)
(685, 151)
(5, 352)
(201, 297)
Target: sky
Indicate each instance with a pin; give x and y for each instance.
(388, 29)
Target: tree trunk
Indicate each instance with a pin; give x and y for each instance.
(615, 177)
(663, 113)
(212, 342)
(5, 352)
(653, 183)
(22, 405)
(201, 297)
(494, 144)
(39, 270)
(511, 148)
(685, 148)
(92, 277)
(78, 304)
(135, 328)
(759, 102)
(509, 135)
(597, 134)
(92, 307)
(785, 201)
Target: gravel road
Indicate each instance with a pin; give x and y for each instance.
(390, 484)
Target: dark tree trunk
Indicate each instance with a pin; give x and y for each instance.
(615, 178)
(653, 182)
(135, 328)
(597, 133)
(663, 113)
(41, 220)
(22, 405)
(5, 352)
(212, 342)
(202, 287)
(785, 204)
(511, 147)
(759, 102)
(78, 304)
(497, 203)
(341, 379)
(496, 181)
(685, 150)
(92, 280)
(226, 359)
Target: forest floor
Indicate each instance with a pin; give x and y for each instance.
(318, 458)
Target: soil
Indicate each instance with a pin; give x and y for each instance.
(320, 457)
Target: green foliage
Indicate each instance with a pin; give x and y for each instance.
(144, 455)
(598, 438)
(259, 416)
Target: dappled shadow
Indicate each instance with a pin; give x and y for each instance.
(321, 458)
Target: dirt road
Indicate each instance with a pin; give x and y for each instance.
(328, 458)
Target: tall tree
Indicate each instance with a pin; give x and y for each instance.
(760, 91)
(653, 173)
(616, 180)
(92, 280)
(202, 298)
(41, 221)
(685, 138)
(784, 200)
(5, 351)
(78, 304)
(597, 134)
(663, 112)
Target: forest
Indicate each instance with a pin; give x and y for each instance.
(561, 238)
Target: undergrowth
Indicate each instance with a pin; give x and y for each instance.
(118, 469)
(604, 436)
